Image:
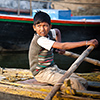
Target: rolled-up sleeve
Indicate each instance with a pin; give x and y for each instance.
(45, 43)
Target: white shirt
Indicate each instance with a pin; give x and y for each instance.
(46, 42)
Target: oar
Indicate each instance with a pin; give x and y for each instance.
(87, 59)
(73, 67)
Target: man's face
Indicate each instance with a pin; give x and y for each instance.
(42, 29)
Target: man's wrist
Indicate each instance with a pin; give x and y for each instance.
(86, 43)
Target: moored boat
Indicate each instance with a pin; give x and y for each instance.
(16, 31)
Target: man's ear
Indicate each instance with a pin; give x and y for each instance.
(34, 27)
(50, 26)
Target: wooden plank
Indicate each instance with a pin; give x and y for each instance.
(94, 76)
(88, 93)
(16, 93)
(94, 84)
(87, 59)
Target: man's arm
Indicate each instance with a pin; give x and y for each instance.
(72, 45)
(58, 35)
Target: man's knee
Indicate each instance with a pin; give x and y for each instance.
(76, 84)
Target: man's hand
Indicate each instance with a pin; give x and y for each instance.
(60, 51)
(93, 42)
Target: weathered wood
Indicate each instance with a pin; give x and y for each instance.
(40, 92)
(88, 93)
(73, 67)
(94, 76)
(30, 7)
(87, 59)
(84, 93)
(29, 86)
(94, 84)
(18, 7)
(31, 91)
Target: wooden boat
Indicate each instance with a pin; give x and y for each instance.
(19, 84)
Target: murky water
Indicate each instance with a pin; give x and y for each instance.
(20, 60)
(14, 60)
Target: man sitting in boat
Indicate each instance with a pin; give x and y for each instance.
(41, 52)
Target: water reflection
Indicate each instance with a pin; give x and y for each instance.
(20, 60)
(14, 60)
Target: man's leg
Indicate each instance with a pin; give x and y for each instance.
(51, 75)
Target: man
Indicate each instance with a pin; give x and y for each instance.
(41, 52)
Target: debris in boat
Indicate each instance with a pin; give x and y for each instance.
(16, 78)
(90, 76)
(14, 75)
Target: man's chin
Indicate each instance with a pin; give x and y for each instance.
(43, 35)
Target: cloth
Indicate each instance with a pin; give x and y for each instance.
(51, 75)
(45, 43)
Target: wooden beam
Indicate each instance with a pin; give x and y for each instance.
(18, 7)
(87, 59)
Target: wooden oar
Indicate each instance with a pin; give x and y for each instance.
(87, 59)
(73, 67)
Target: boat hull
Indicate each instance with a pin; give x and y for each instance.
(17, 35)
(79, 33)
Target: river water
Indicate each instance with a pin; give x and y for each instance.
(20, 60)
